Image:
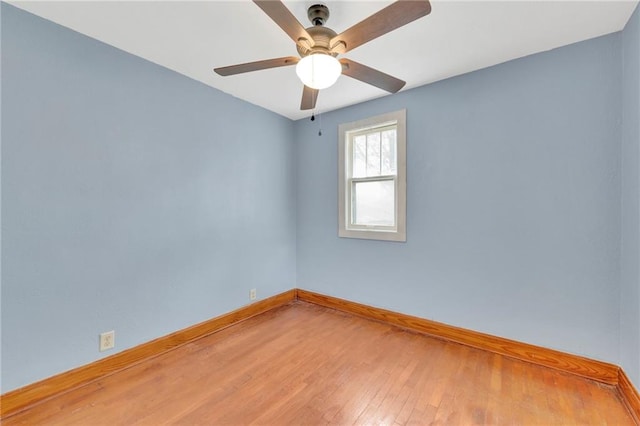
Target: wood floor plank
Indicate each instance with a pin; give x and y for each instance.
(307, 364)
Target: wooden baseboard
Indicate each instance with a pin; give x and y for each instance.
(18, 399)
(585, 367)
(629, 395)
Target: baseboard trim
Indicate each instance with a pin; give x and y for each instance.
(595, 370)
(19, 399)
(629, 395)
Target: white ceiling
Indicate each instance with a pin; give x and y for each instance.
(457, 37)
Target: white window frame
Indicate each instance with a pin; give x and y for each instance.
(346, 132)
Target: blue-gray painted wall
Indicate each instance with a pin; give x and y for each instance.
(513, 195)
(138, 200)
(133, 199)
(630, 253)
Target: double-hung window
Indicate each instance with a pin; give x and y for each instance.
(372, 178)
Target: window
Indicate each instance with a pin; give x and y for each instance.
(372, 178)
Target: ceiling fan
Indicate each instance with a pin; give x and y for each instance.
(319, 46)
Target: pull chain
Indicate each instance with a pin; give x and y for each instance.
(313, 118)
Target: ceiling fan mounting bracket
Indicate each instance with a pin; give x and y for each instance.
(318, 14)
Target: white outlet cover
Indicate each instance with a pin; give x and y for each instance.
(107, 340)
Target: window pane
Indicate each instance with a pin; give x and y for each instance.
(388, 152)
(372, 178)
(373, 154)
(374, 203)
(360, 156)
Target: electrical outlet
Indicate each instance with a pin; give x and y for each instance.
(252, 294)
(107, 340)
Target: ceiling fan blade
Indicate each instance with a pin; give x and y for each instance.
(388, 19)
(371, 76)
(309, 98)
(258, 65)
(278, 12)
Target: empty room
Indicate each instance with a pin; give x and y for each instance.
(302, 212)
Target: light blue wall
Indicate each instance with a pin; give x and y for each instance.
(630, 253)
(513, 192)
(133, 199)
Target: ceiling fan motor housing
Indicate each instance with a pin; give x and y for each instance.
(321, 41)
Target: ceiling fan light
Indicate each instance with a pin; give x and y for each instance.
(318, 71)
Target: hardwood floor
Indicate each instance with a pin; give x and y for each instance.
(306, 364)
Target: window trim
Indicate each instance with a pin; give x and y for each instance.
(345, 130)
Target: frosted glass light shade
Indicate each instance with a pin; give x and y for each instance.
(319, 70)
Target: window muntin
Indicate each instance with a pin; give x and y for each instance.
(372, 178)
